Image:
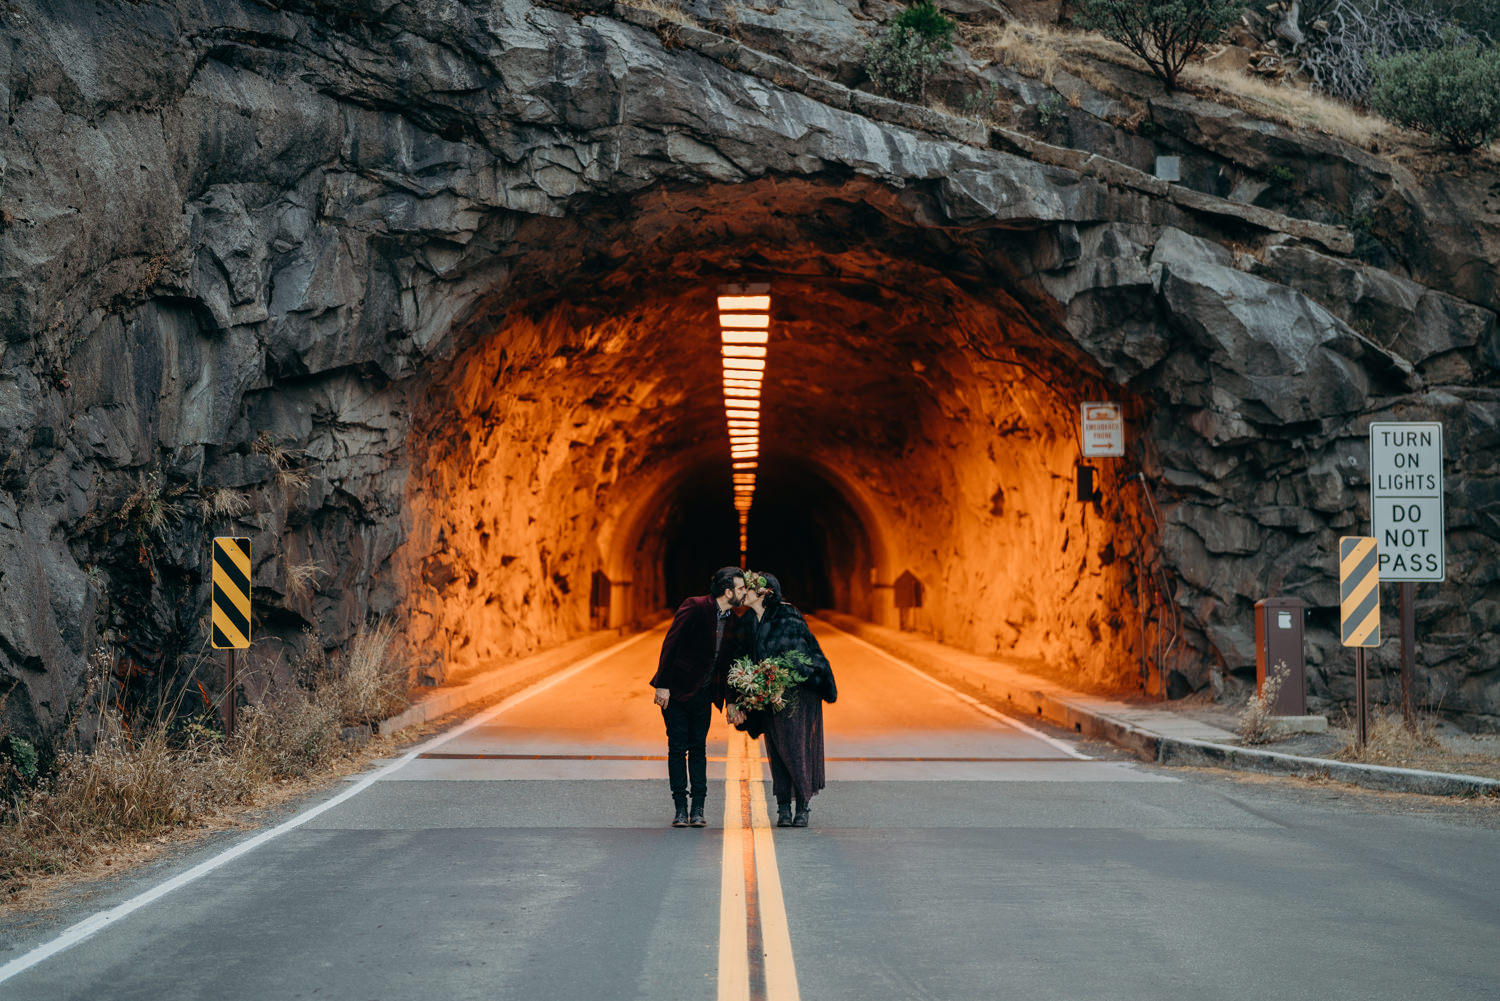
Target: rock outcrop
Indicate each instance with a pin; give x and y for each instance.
(421, 295)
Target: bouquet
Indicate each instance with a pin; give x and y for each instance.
(764, 685)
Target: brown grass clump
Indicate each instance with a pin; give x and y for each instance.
(1039, 51)
(301, 578)
(364, 684)
(1257, 723)
(1293, 106)
(289, 476)
(129, 787)
(1391, 742)
(668, 10)
(222, 502)
(289, 735)
(137, 784)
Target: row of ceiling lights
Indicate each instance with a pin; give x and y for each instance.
(745, 330)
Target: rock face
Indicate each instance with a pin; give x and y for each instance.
(421, 296)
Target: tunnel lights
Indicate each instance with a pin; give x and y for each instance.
(744, 333)
(745, 303)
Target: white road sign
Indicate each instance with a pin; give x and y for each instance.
(1406, 499)
(1103, 429)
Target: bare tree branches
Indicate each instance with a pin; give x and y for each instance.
(1344, 35)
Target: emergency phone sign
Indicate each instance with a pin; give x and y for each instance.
(1406, 499)
(1102, 428)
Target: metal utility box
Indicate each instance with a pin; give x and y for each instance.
(1278, 638)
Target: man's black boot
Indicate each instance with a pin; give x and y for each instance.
(681, 819)
(697, 815)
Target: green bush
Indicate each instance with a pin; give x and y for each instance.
(1164, 33)
(1452, 92)
(901, 59)
(926, 20)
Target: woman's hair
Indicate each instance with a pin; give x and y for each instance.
(767, 584)
(723, 580)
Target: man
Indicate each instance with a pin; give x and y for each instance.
(689, 683)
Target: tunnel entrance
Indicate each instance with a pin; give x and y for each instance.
(919, 417)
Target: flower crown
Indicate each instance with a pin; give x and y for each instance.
(757, 581)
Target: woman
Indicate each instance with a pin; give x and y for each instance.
(794, 736)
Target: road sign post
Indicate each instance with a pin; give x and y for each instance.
(229, 628)
(1359, 613)
(1406, 518)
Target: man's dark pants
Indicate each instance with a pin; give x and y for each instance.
(687, 755)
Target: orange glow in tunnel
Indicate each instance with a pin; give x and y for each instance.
(912, 462)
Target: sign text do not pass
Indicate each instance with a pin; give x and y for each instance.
(1406, 499)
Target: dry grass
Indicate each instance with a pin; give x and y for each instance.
(1391, 742)
(364, 684)
(1039, 51)
(1298, 108)
(665, 9)
(222, 502)
(151, 507)
(140, 785)
(301, 578)
(129, 787)
(1257, 723)
(289, 476)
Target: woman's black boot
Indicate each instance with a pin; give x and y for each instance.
(800, 820)
(783, 813)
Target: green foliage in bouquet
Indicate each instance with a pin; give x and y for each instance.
(765, 684)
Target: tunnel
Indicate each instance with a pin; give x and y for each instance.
(919, 453)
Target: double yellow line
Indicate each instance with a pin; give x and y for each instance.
(755, 945)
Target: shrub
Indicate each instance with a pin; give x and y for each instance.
(1345, 37)
(1452, 92)
(1255, 725)
(901, 59)
(363, 683)
(1164, 33)
(289, 735)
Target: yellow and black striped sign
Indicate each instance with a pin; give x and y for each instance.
(1359, 591)
(231, 612)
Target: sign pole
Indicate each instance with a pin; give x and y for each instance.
(229, 699)
(1361, 712)
(1408, 651)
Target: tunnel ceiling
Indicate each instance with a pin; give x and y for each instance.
(874, 315)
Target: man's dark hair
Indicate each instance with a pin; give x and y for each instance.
(724, 579)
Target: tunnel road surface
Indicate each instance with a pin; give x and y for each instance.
(954, 855)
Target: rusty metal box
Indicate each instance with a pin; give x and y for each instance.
(1278, 638)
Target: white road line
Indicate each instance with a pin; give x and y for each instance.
(94, 924)
(1061, 745)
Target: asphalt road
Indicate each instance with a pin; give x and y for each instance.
(952, 856)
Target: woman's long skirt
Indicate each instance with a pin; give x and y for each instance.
(794, 743)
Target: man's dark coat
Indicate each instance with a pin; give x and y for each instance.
(687, 654)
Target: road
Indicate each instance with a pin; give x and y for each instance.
(954, 855)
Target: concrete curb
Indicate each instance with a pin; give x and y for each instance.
(1178, 751)
(1070, 711)
(505, 679)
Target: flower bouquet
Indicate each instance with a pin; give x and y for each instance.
(764, 684)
